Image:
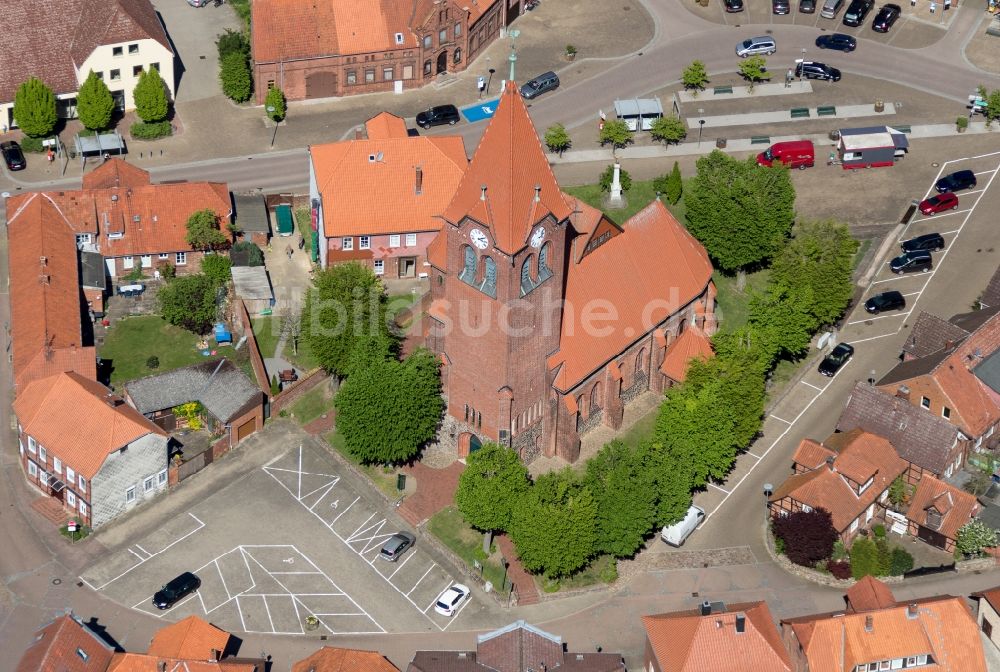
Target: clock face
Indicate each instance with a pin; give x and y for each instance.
(537, 237)
(479, 239)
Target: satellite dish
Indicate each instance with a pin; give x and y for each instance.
(379, 156)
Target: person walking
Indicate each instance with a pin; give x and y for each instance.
(288, 251)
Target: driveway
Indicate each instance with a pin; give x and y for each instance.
(192, 32)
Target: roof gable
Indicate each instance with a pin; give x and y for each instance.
(336, 659)
(192, 638)
(104, 22)
(869, 594)
(68, 645)
(941, 507)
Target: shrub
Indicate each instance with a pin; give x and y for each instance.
(839, 551)
(168, 271)
(901, 562)
(275, 387)
(232, 41)
(142, 130)
(962, 122)
(34, 145)
(234, 74)
(246, 253)
(884, 556)
(608, 176)
(864, 558)
(779, 545)
(841, 569)
(808, 536)
(610, 572)
(216, 266)
(879, 531)
(276, 99)
(152, 362)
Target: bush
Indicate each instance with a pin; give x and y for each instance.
(151, 131)
(901, 562)
(879, 531)
(610, 572)
(152, 362)
(34, 145)
(779, 545)
(275, 387)
(884, 556)
(168, 271)
(841, 569)
(864, 558)
(608, 176)
(839, 551)
(232, 41)
(246, 253)
(216, 266)
(808, 536)
(234, 74)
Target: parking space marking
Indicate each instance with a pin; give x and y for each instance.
(344, 511)
(718, 488)
(434, 601)
(819, 389)
(780, 419)
(754, 455)
(418, 583)
(942, 215)
(872, 318)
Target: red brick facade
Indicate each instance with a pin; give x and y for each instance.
(391, 256)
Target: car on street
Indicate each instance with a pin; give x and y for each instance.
(539, 85)
(12, 155)
(756, 45)
(833, 362)
(817, 70)
(857, 11)
(962, 179)
(437, 116)
(780, 7)
(837, 41)
(885, 301)
(807, 6)
(886, 16)
(733, 5)
(911, 262)
(939, 203)
(929, 242)
(451, 599)
(175, 590)
(396, 545)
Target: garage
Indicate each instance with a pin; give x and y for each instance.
(322, 84)
(246, 429)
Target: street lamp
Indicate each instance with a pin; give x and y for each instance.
(503, 561)
(803, 60)
(490, 80)
(768, 489)
(270, 111)
(701, 127)
(513, 52)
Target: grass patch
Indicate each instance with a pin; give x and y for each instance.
(311, 405)
(602, 569)
(303, 222)
(859, 256)
(131, 341)
(384, 478)
(734, 306)
(638, 197)
(82, 532)
(266, 331)
(242, 9)
(449, 526)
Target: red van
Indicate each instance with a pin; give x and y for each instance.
(794, 154)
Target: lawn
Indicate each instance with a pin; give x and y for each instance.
(600, 569)
(312, 404)
(449, 526)
(131, 341)
(303, 221)
(265, 330)
(638, 197)
(734, 306)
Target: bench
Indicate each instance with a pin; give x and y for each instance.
(826, 111)
(760, 140)
(902, 129)
(722, 89)
(799, 112)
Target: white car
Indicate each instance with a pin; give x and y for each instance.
(448, 601)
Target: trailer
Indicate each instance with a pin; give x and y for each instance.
(285, 223)
(871, 147)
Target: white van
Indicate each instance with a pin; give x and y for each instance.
(676, 534)
(830, 8)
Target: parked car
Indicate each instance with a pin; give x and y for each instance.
(857, 11)
(830, 8)
(13, 156)
(963, 179)
(780, 6)
(733, 5)
(396, 546)
(756, 45)
(807, 6)
(837, 41)
(885, 301)
(539, 85)
(437, 116)
(833, 362)
(929, 242)
(175, 590)
(910, 262)
(674, 535)
(451, 599)
(940, 203)
(886, 16)
(817, 70)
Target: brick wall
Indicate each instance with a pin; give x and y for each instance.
(246, 326)
(291, 394)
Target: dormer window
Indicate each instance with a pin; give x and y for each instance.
(934, 519)
(84, 656)
(399, 38)
(867, 484)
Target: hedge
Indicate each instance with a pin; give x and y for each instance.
(151, 131)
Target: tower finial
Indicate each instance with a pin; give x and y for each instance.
(482, 192)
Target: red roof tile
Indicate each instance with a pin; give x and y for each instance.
(333, 659)
(811, 454)
(192, 638)
(869, 594)
(692, 344)
(66, 645)
(956, 507)
(116, 173)
(992, 596)
(384, 125)
(437, 252)
(141, 662)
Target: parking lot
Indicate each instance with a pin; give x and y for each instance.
(192, 32)
(307, 546)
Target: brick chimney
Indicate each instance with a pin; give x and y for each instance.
(949, 344)
(903, 392)
(829, 462)
(869, 623)
(419, 184)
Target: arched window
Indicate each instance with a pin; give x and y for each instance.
(427, 67)
(581, 406)
(640, 361)
(489, 284)
(680, 327)
(527, 284)
(468, 274)
(458, 55)
(595, 396)
(544, 261)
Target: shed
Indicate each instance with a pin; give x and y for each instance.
(93, 280)
(251, 218)
(254, 287)
(639, 113)
(286, 225)
(871, 146)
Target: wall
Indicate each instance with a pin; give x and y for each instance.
(144, 457)
(290, 395)
(192, 266)
(150, 51)
(381, 249)
(48, 465)
(246, 329)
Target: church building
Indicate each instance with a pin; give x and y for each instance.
(548, 317)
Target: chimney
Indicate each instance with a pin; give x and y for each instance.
(215, 654)
(482, 195)
(43, 261)
(911, 610)
(949, 344)
(741, 622)
(44, 279)
(903, 392)
(869, 623)
(419, 186)
(706, 608)
(829, 462)
(162, 666)
(538, 193)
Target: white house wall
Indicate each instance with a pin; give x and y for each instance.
(104, 61)
(141, 459)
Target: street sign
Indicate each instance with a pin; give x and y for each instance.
(484, 110)
(49, 142)
(71, 526)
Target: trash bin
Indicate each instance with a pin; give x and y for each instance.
(879, 106)
(720, 143)
(401, 482)
(835, 135)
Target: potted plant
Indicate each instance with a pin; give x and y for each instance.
(962, 123)
(570, 52)
(311, 622)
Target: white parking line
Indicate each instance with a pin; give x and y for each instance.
(400, 566)
(984, 172)
(872, 318)
(718, 488)
(820, 389)
(780, 419)
(754, 455)
(942, 215)
(418, 582)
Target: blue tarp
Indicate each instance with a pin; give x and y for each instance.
(222, 335)
(480, 111)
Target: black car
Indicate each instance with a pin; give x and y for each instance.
(836, 359)
(886, 16)
(438, 116)
(816, 70)
(885, 301)
(963, 179)
(780, 6)
(837, 41)
(733, 5)
(176, 590)
(857, 11)
(910, 262)
(807, 6)
(928, 242)
(396, 546)
(13, 156)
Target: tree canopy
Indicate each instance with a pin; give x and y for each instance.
(94, 103)
(217, 267)
(493, 482)
(189, 302)
(695, 76)
(35, 108)
(668, 130)
(557, 139)
(150, 96)
(275, 98)
(203, 231)
(621, 484)
(616, 133)
(234, 74)
(808, 536)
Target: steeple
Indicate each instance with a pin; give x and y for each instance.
(510, 168)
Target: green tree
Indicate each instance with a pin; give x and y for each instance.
(275, 386)
(217, 267)
(899, 493)
(741, 212)
(234, 74)
(992, 110)
(275, 98)
(493, 483)
(409, 392)
(668, 130)
(626, 506)
(864, 558)
(254, 255)
(150, 95)
(370, 350)
(345, 303)
(695, 76)
(554, 525)
(780, 318)
(674, 186)
(189, 302)
(557, 139)
(973, 537)
(35, 108)
(669, 476)
(608, 176)
(203, 231)
(754, 69)
(233, 41)
(94, 103)
(819, 256)
(615, 133)
(900, 562)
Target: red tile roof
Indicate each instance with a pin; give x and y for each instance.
(437, 251)
(141, 662)
(66, 645)
(869, 594)
(116, 173)
(79, 420)
(334, 659)
(686, 641)
(647, 273)
(384, 125)
(956, 507)
(370, 186)
(811, 454)
(511, 163)
(692, 344)
(192, 638)
(992, 595)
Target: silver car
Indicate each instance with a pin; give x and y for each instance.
(755, 46)
(396, 546)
